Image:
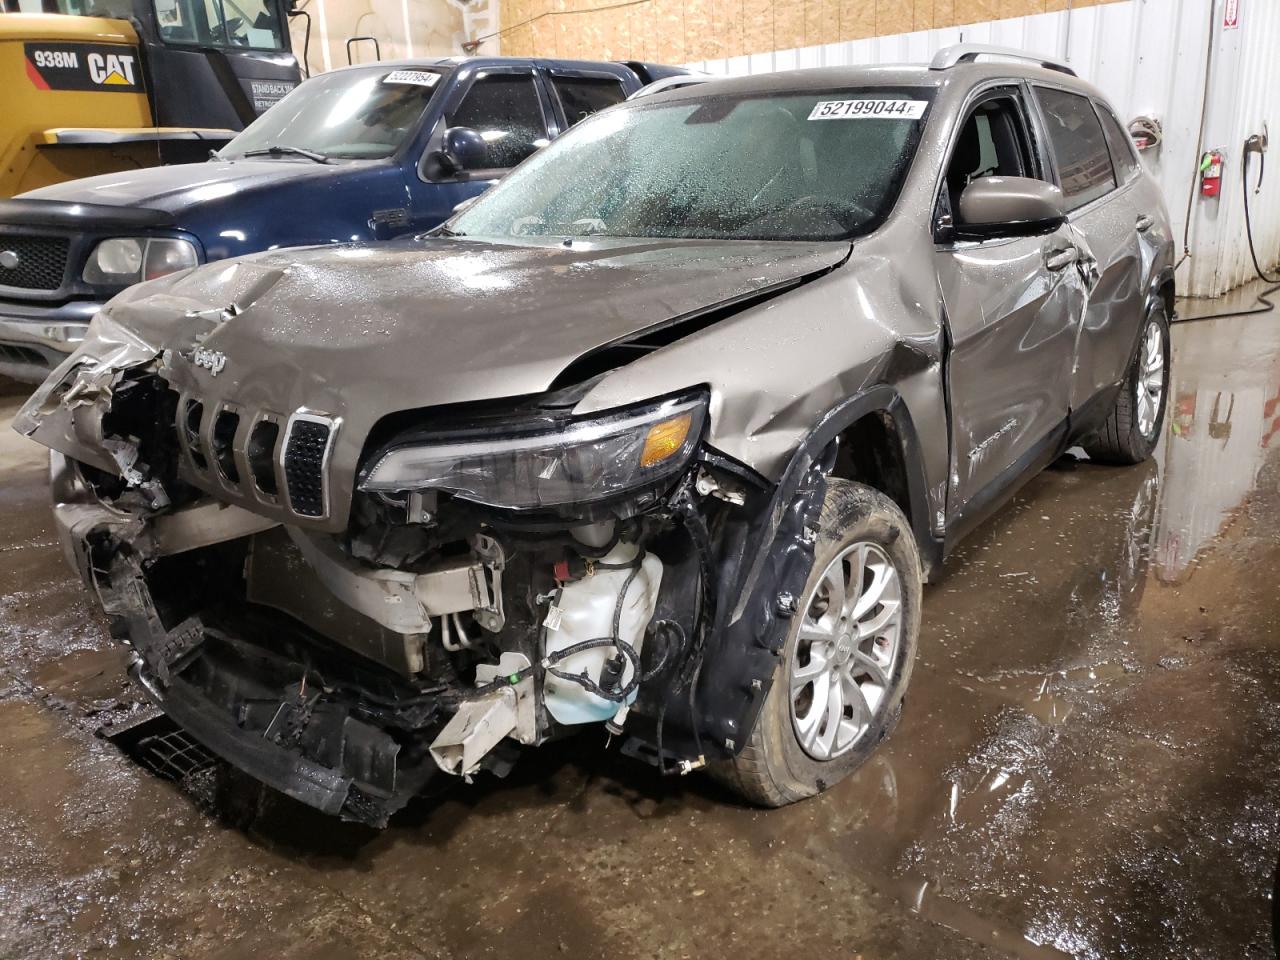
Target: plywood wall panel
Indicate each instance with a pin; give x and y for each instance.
(757, 25)
(922, 15)
(681, 31)
(821, 21)
(729, 24)
(857, 19)
(668, 20)
(788, 25)
(697, 26)
(542, 33)
(894, 16)
(614, 37)
(517, 42)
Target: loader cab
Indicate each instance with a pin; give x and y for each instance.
(155, 81)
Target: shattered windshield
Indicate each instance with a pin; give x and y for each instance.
(793, 167)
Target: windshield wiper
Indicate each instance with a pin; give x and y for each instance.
(279, 150)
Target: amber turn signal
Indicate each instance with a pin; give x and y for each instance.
(665, 439)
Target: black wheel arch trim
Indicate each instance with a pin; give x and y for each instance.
(881, 399)
(766, 561)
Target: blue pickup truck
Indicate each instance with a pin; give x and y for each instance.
(363, 153)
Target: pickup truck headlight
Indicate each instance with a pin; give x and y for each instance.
(126, 260)
(587, 458)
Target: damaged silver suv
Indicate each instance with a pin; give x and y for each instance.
(663, 434)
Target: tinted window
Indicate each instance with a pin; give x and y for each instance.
(583, 96)
(784, 167)
(1079, 147)
(1121, 145)
(505, 109)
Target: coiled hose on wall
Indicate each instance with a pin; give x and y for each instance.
(1264, 303)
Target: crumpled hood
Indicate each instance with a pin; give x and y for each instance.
(356, 333)
(420, 323)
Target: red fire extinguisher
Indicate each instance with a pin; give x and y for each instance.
(1211, 174)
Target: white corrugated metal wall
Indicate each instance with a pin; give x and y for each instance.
(1149, 57)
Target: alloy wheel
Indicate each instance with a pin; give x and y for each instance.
(1150, 386)
(847, 652)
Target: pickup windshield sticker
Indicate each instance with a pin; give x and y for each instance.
(419, 78)
(83, 66)
(868, 110)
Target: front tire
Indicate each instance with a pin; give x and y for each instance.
(1133, 426)
(838, 687)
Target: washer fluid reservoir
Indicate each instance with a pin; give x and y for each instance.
(585, 611)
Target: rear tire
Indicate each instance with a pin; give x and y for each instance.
(1133, 426)
(864, 539)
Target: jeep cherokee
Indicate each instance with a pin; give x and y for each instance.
(664, 433)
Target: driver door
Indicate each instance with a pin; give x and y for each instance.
(1013, 306)
(509, 108)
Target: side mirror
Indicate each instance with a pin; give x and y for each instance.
(463, 149)
(1009, 207)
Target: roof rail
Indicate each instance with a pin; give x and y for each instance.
(670, 83)
(949, 57)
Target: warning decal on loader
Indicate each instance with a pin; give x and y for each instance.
(84, 66)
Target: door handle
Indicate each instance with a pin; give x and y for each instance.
(1144, 223)
(1061, 258)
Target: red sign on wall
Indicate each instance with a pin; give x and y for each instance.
(1231, 15)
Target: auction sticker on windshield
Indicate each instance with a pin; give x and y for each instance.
(419, 78)
(868, 109)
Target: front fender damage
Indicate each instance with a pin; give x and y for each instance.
(67, 412)
(346, 667)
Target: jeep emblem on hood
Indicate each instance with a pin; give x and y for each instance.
(211, 360)
(9, 259)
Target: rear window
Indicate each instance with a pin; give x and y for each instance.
(1079, 146)
(1121, 145)
(583, 96)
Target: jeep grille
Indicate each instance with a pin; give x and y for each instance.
(256, 455)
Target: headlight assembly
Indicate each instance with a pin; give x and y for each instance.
(126, 260)
(587, 458)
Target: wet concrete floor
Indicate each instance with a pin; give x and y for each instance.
(1087, 766)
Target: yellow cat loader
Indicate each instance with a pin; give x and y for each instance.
(98, 86)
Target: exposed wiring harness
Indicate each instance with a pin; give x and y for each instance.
(549, 662)
(687, 512)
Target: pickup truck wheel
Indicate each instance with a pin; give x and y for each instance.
(838, 687)
(1133, 427)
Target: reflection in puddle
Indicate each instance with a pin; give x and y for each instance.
(1088, 718)
(1225, 413)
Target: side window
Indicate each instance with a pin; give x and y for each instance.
(504, 109)
(992, 143)
(1079, 146)
(1121, 145)
(583, 96)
